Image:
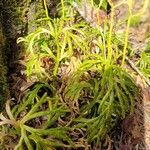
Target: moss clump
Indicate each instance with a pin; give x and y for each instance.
(3, 72)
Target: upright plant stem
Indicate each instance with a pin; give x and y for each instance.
(63, 8)
(130, 5)
(57, 59)
(46, 10)
(143, 9)
(109, 57)
(126, 40)
(92, 2)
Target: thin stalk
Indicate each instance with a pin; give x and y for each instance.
(57, 59)
(63, 8)
(104, 43)
(126, 40)
(110, 35)
(104, 40)
(92, 2)
(46, 10)
(143, 9)
(130, 5)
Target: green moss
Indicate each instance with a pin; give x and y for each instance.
(3, 73)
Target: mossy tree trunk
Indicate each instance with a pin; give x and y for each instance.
(3, 71)
(16, 19)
